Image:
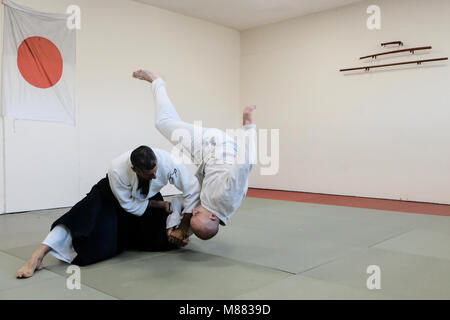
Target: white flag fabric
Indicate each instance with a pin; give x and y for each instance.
(39, 55)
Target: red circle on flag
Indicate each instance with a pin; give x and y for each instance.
(40, 62)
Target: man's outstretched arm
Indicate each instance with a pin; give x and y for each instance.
(178, 224)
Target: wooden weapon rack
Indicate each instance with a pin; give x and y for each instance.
(400, 44)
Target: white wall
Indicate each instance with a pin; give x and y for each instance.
(115, 113)
(383, 134)
(2, 168)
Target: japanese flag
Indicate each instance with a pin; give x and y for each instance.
(38, 65)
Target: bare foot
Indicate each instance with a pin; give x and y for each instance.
(32, 265)
(146, 75)
(248, 115)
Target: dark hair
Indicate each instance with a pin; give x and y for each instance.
(143, 158)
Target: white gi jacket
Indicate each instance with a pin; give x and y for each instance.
(124, 182)
(225, 185)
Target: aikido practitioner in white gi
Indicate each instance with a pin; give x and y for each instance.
(123, 211)
(223, 178)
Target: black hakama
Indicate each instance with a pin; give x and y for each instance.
(101, 228)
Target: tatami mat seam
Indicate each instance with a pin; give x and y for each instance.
(390, 238)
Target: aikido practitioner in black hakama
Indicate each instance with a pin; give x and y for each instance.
(123, 211)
